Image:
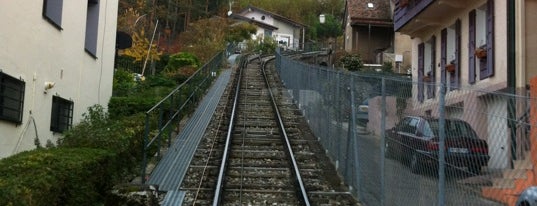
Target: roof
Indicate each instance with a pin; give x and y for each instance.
(360, 13)
(278, 17)
(257, 23)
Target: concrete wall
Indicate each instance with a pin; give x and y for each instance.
(36, 51)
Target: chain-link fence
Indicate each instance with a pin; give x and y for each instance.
(400, 142)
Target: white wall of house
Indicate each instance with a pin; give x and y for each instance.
(37, 52)
(285, 31)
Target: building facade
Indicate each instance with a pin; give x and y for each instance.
(286, 32)
(484, 46)
(368, 28)
(57, 59)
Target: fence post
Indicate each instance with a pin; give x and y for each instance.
(353, 139)
(382, 139)
(338, 116)
(441, 145)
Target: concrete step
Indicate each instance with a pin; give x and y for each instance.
(523, 164)
(502, 183)
(515, 174)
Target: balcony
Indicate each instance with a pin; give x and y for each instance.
(414, 16)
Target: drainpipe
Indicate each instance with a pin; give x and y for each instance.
(511, 74)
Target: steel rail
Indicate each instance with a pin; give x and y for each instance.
(302, 189)
(221, 175)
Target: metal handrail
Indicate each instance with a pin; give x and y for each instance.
(170, 104)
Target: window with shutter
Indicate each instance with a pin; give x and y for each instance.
(431, 88)
(421, 48)
(61, 117)
(471, 47)
(11, 98)
(488, 71)
(455, 75)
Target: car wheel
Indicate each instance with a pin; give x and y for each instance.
(474, 169)
(415, 164)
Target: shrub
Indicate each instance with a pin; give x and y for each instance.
(351, 62)
(124, 83)
(58, 176)
(123, 136)
(181, 59)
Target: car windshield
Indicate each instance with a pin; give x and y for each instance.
(453, 129)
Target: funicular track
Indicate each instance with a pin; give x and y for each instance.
(258, 153)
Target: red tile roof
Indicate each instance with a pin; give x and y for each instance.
(360, 13)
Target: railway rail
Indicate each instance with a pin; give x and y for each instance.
(259, 151)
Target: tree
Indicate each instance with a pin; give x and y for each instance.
(240, 32)
(331, 28)
(140, 48)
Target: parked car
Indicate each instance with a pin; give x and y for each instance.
(362, 115)
(416, 141)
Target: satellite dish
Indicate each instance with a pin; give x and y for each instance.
(123, 40)
(229, 13)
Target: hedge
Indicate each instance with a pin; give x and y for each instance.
(57, 176)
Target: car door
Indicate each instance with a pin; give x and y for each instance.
(408, 135)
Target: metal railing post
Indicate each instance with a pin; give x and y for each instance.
(353, 137)
(382, 140)
(441, 145)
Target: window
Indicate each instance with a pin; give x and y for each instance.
(450, 41)
(408, 125)
(11, 98)
(61, 118)
(430, 69)
(421, 51)
(92, 27)
(52, 11)
(426, 69)
(481, 36)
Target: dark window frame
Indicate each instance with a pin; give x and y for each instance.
(8, 87)
(61, 118)
(92, 28)
(50, 13)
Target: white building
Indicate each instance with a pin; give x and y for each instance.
(56, 60)
(287, 32)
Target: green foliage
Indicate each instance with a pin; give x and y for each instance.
(240, 32)
(351, 62)
(330, 29)
(265, 46)
(181, 59)
(119, 135)
(125, 106)
(124, 83)
(58, 176)
(387, 67)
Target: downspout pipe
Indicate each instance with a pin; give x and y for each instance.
(511, 74)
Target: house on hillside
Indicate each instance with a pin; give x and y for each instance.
(57, 59)
(482, 45)
(288, 33)
(369, 32)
